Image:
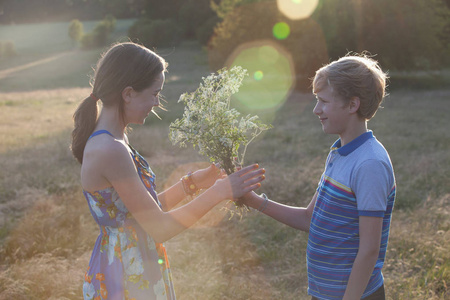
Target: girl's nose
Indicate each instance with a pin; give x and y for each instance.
(317, 108)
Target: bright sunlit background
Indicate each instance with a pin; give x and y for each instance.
(48, 49)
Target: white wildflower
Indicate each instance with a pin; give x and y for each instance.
(211, 125)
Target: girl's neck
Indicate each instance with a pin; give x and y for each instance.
(111, 121)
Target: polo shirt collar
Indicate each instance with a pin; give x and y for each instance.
(353, 145)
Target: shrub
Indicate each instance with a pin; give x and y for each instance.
(205, 31)
(192, 15)
(7, 49)
(75, 30)
(100, 34)
(254, 22)
(157, 33)
(110, 22)
(88, 41)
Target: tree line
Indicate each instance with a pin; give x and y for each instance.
(405, 34)
(31, 11)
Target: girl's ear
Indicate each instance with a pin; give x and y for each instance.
(354, 104)
(127, 94)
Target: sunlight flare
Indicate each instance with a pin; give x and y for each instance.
(281, 30)
(273, 76)
(297, 9)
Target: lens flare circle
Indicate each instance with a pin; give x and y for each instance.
(297, 9)
(272, 76)
(258, 75)
(281, 30)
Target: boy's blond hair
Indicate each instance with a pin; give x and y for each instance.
(354, 76)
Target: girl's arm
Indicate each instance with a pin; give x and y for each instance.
(369, 247)
(118, 168)
(203, 179)
(296, 217)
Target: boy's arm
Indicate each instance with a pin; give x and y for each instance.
(296, 217)
(369, 247)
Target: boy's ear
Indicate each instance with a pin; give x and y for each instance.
(354, 104)
(127, 94)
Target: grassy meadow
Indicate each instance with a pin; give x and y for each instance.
(47, 232)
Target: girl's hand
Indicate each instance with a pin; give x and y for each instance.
(241, 182)
(205, 178)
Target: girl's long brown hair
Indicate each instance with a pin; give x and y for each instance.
(123, 65)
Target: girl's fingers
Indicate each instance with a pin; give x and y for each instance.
(248, 189)
(253, 174)
(254, 181)
(246, 169)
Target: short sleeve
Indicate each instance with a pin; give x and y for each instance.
(372, 183)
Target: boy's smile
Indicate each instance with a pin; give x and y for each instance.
(332, 112)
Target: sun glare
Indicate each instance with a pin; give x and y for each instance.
(271, 75)
(281, 30)
(297, 9)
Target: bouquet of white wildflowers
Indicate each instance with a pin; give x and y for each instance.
(212, 126)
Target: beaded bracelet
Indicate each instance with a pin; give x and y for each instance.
(264, 204)
(188, 184)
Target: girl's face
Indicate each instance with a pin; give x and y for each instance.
(141, 103)
(332, 112)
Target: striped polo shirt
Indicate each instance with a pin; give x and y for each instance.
(358, 181)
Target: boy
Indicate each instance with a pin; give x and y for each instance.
(349, 216)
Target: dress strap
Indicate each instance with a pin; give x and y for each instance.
(100, 132)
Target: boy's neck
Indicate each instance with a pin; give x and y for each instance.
(353, 132)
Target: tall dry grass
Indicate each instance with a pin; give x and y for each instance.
(48, 233)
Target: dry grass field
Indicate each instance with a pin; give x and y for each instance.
(47, 232)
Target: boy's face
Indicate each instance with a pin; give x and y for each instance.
(332, 111)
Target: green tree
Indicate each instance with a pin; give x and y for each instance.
(405, 34)
(193, 14)
(254, 22)
(185, 19)
(157, 33)
(223, 7)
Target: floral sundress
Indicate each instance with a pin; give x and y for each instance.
(126, 263)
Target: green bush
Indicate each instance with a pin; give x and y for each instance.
(192, 15)
(205, 31)
(76, 30)
(254, 22)
(7, 49)
(110, 22)
(157, 33)
(100, 34)
(88, 41)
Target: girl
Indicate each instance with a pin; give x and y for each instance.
(129, 260)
